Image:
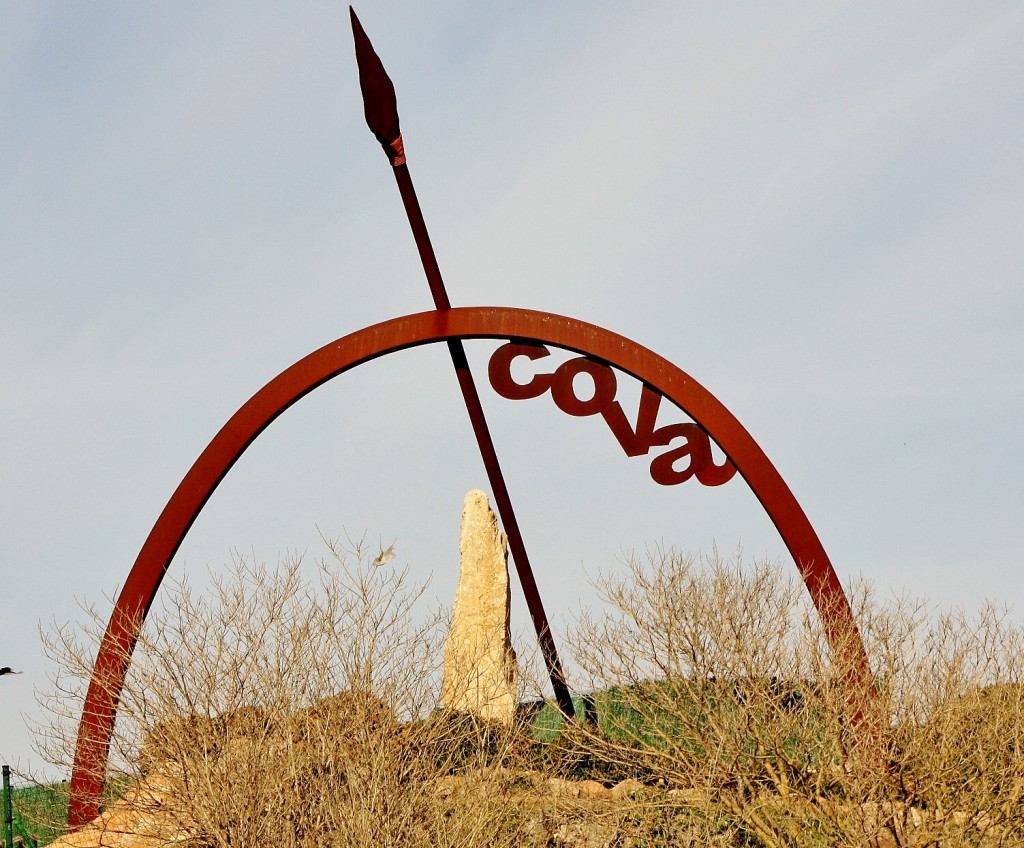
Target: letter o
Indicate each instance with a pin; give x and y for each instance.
(563, 389)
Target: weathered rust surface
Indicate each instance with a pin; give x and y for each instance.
(336, 358)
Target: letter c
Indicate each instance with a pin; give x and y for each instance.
(499, 371)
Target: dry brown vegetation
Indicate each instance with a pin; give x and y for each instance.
(721, 680)
(276, 711)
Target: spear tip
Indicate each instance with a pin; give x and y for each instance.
(380, 104)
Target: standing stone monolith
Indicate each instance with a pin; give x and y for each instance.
(480, 670)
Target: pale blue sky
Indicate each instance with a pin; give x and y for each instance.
(817, 210)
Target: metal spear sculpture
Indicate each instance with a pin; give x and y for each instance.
(381, 108)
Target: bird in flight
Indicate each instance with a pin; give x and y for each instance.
(8, 670)
(385, 556)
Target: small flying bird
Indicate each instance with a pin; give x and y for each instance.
(385, 556)
(8, 670)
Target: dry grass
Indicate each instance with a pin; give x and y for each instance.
(273, 711)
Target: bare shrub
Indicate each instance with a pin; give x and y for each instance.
(275, 710)
(716, 677)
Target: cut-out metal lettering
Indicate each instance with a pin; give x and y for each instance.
(689, 447)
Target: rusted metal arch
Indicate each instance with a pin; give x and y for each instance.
(335, 358)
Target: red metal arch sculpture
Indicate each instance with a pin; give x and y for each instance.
(346, 353)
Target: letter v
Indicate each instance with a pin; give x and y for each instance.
(638, 441)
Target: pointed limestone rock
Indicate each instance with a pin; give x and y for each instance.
(480, 670)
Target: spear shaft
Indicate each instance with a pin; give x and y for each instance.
(381, 110)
